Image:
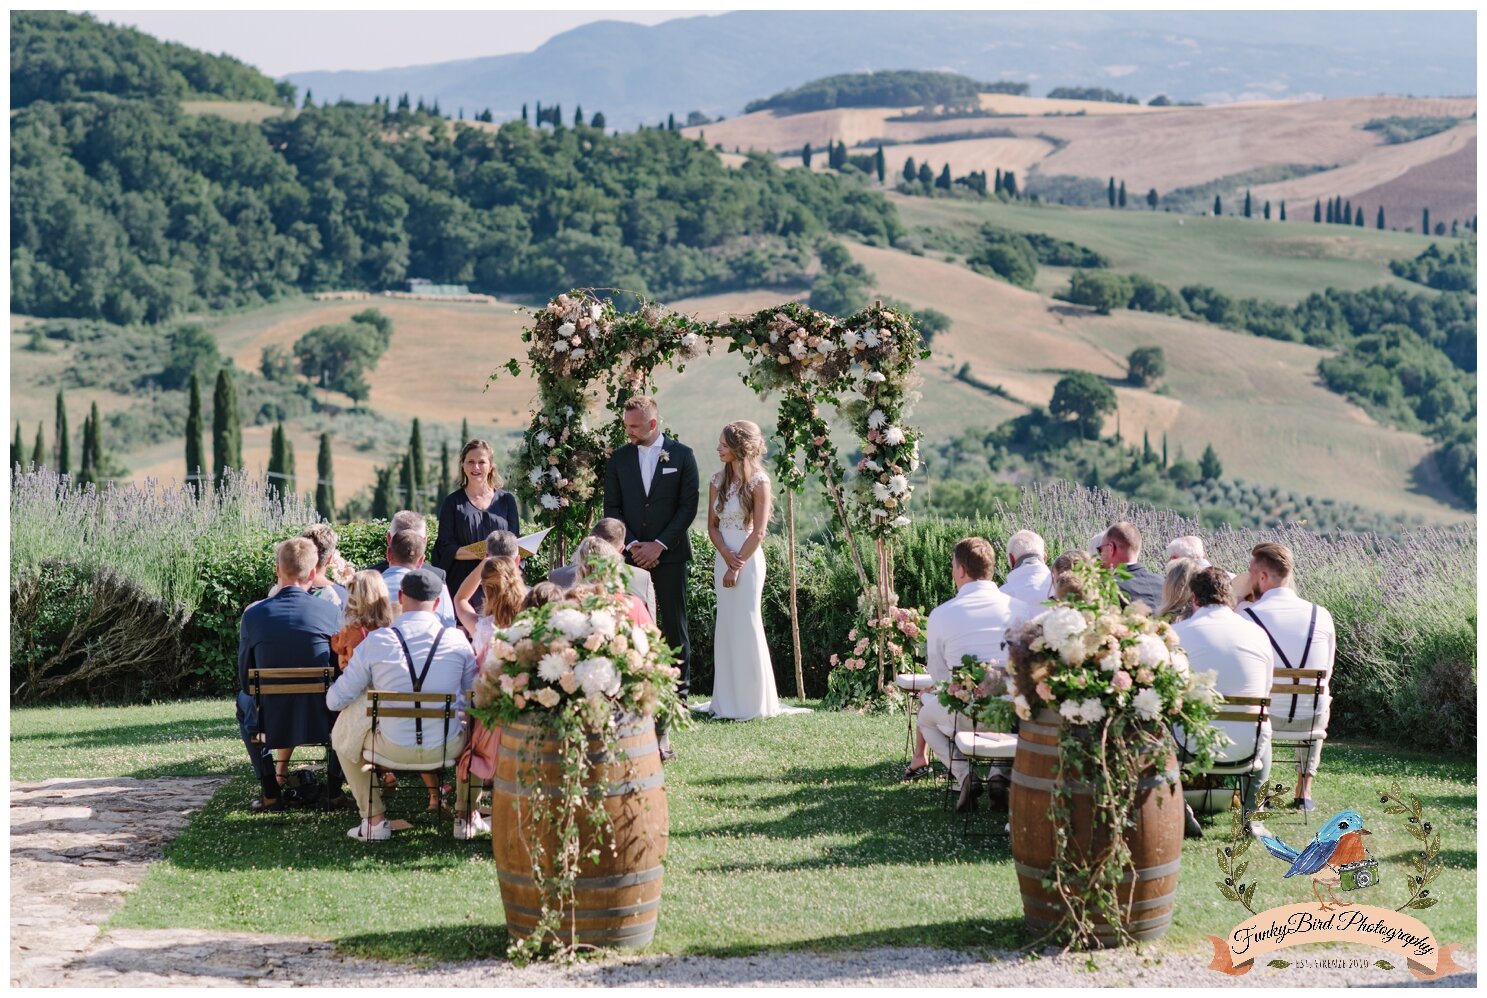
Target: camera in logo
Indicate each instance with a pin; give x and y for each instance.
(1356, 876)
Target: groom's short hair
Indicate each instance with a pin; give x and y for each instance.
(610, 529)
(976, 557)
(642, 403)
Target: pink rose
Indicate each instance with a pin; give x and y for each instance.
(1044, 692)
(834, 658)
(818, 441)
(1121, 680)
(520, 700)
(594, 641)
(1145, 676)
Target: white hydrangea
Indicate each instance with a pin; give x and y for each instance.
(1060, 624)
(1070, 711)
(597, 675)
(517, 630)
(550, 501)
(574, 623)
(689, 340)
(578, 353)
(825, 347)
(1151, 651)
(552, 665)
(1092, 710)
(877, 419)
(1111, 661)
(1180, 662)
(1148, 703)
(872, 465)
(595, 312)
(893, 436)
(603, 622)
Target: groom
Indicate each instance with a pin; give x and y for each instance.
(651, 485)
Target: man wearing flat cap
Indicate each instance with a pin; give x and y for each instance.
(418, 653)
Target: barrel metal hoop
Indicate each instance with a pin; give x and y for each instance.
(586, 913)
(1031, 728)
(591, 883)
(624, 731)
(1037, 747)
(1144, 873)
(598, 758)
(1049, 786)
(641, 785)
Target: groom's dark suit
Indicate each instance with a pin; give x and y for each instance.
(664, 514)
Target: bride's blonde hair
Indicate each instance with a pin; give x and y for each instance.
(746, 442)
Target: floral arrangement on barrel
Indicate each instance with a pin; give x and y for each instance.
(1118, 680)
(978, 690)
(854, 673)
(579, 669)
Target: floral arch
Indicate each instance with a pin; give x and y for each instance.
(583, 350)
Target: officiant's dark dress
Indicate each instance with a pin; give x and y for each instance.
(462, 522)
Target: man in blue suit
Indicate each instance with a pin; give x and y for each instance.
(290, 629)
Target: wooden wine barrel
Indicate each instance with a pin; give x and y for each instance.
(616, 901)
(1156, 842)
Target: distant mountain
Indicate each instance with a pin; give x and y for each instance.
(716, 64)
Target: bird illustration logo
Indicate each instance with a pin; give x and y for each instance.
(1335, 858)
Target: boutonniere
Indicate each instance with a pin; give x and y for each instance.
(665, 457)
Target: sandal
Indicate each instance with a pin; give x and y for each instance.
(917, 773)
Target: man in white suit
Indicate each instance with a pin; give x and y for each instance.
(1217, 639)
(1029, 578)
(639, 580)
(1303, 637)
(975, 623)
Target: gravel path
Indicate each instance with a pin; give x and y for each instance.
(77, 846)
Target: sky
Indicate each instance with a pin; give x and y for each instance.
(281, 42)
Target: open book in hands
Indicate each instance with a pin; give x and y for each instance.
(527, 545)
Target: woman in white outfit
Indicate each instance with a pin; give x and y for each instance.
(738, 509)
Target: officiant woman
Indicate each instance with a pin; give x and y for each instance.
(475, 508)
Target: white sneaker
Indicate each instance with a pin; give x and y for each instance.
(466, 830)
(368, 832)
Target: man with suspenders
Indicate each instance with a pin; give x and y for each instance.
(417, 654)
(1303, 637)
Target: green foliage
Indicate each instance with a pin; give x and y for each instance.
(1210, 466)
(929, 321)
(1453, 270)
(886, 88)
(1086, 398)
(227, 428)
(62, 448)
(1063, 253)
(1397, 130)
(193, 353)
(339, 356)
(325, 490)
(1091, 93)
(841, 287)
(55, 56)
(1146, 365)
(1103, 291)
(1007, 255)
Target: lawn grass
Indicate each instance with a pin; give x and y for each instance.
(1243, 258)
(790, 833)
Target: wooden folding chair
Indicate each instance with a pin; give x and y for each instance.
(1237, 709)
(1300, 685)
(272, 683)
(389, 703)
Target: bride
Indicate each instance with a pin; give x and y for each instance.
(738, 509)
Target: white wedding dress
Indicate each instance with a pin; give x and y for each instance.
(743, 678)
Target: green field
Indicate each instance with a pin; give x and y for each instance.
(789, 833)
(1244, 258)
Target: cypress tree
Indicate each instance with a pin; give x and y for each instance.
(96, 458)
(1209, 465)
(1282, 211)
(880, 163)
(227, 427)
(1331, 215)
(1424, 231)
(805, 156)
(577, 115)
(17, 449)
(1248, 207)
(38, 452)
(1380, 222)
(276, 460)
(60, 448)
(419, 466)
(1218, 206)
(196, 462)
(444, 483)
(85, 468)
(997, 187)
(1110, 192)
(1267, 211)
(1152, 199)
(926, 175)
(289, 475)
(1009, 183)
(1164, 448)
(1316, 213)
(1147, 454)
(944, 180)
(464, 432)
(1347, 213)
(911, 172)
(325, 488)
(1120, 195)
(1358, 217)
(524, 114)
(405, 486)
(671, 122)
(382, 495)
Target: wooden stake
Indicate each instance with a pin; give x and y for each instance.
(794, 606)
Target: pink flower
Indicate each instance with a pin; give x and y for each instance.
(834, 658)
(1121, 680)
(818, 441)
(912, 630)
(1044, 692)
(520, 700)
(1145, 676)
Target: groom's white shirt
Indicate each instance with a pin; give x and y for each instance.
(975, 622)
(649, 458)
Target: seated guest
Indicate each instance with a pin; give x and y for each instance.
(467, 601)
(1303, 637)
(1177, 593)
(1061, 566)
(503, 589)
(596, 557)
(639, 580)
(368, 607)
(542, 594)
(1217, 639)
(1029, 578)
(1187, 546)
(1067, 586)
(404, 554)
(403, 519)
(1122, 547)
(323, 536)
(416, 643)
(974, 622)
(289, 630)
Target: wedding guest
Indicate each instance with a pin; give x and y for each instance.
(1066, 586)
(597, 560)
(1177, 592)
(1062, 566)
(404, 554)
(1304, 637)
(1029, 577)
(384, 661)
(323, 536)
(1122, 547)
(542, 594)
(368, 607)
(471, 596)
(290, 629)
(638, 579)
(403, 519)
(974, 622)
(1217, 639)
(1187, 546)
(503, 590)
(476, 507)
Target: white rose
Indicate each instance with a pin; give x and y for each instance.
(567, 329)
(1151, 651)
(1148, 703)
(550, 501)
(639, 641)
(876, 376)
(1060, 624)
(876, 419)
(893, 436)
(1020, 704)
(574, 623)
(1180, 662)
(597, 675)
(898, 485)
(872, 465)
(603, 622)
(552, 665)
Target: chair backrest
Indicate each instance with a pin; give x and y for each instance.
(377, 698)
(272, 682)
(1244, 709)
(1299, 682)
